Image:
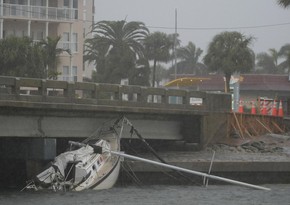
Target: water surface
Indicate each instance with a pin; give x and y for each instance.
(157, 194)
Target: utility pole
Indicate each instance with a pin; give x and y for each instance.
(175, 42)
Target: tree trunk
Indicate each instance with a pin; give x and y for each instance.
(227, 85)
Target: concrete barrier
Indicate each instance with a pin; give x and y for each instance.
(40, 90)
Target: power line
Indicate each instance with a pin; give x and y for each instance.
(222, 28)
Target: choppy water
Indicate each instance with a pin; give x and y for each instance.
(213, 194)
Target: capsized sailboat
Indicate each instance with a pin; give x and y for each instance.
(87, 165)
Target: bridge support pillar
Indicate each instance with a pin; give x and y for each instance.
(28, 148)
(22, 158)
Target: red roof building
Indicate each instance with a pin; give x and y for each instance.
(252, 86)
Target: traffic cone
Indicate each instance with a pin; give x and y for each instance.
(253, 110)
(264, 109)
(280, 111)
(241, 107)
(274, 108)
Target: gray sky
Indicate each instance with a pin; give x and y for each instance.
(196, 19)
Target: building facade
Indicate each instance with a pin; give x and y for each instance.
(38, 19)
(252, 87)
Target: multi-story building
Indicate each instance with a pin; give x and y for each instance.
(38, 19)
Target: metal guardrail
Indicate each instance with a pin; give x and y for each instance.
(50, 91)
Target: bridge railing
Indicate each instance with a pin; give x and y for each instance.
(50, 91)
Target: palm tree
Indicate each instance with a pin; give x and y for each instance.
(24, 58)
(115, 47)
(95, 52)
(13, 55)
(157, 46)
(35, 66)
(284, 3)
(141, 73)
(120, 35)
(269, 62)
(285, 52)
(161, 73)
(229, 52)
(21, 57)
(52, 53)
(189, 56)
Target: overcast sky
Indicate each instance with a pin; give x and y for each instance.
(200, 20)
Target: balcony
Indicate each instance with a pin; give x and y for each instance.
(16, 11)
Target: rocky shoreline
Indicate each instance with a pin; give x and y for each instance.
(270, 145)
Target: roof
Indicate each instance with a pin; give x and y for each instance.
(185, 81)
(253, 82)
(265, 82)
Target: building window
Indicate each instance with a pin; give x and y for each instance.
(70, 76)
(37, 35)
(76, 14)
(75, 4)
(65, 73)
(66, 3)
(21, 2)
(74, 42)
(13, 10)
(75, 73)
(40, 35)
(85, 15)
(65, 40)
(37, 2)
(65, 70)
(66, 44)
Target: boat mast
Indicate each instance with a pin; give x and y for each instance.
(190, 171)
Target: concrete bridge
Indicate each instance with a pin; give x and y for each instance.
(38, 117)
(38, 112)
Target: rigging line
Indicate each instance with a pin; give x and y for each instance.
(128, 147)
(135, 131)
(96, 133)
(31, 183)
(164, 172)
(130, 175)
(173, 28)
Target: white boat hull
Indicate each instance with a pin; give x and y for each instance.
(110, 180)
(91, 166)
